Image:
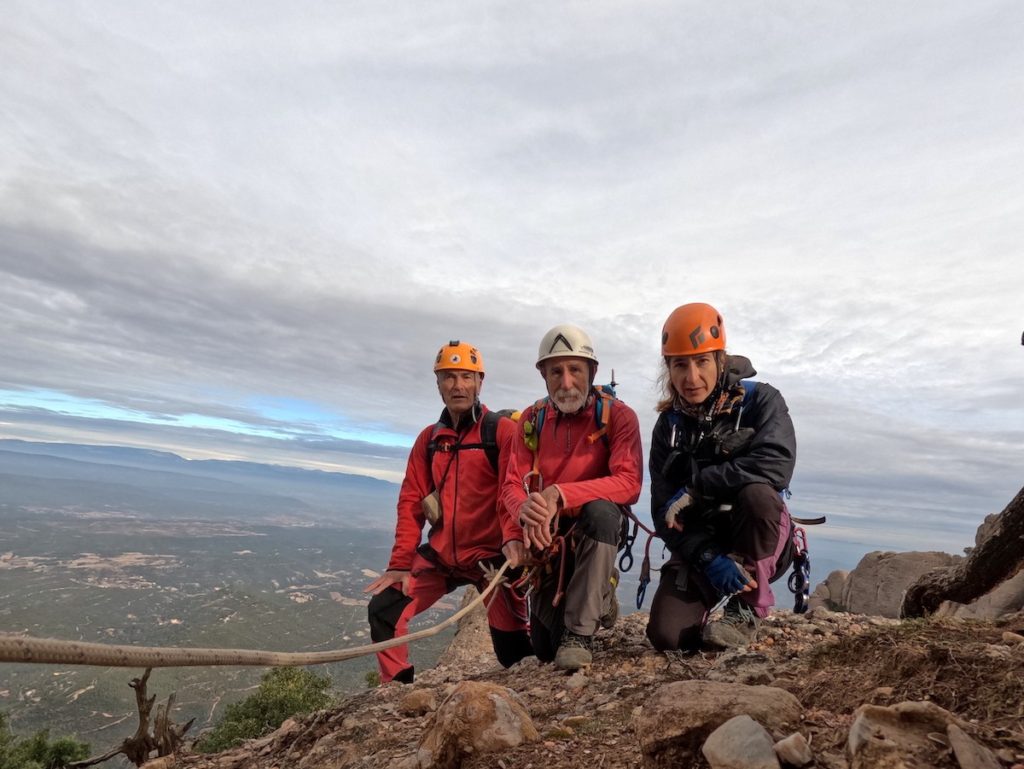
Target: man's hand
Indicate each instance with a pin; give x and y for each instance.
(389, 578)
(535, 516)
(676, 506)
(514, 552)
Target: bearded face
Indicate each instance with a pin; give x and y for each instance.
(568, 383)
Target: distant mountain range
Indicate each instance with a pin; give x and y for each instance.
(117, 479)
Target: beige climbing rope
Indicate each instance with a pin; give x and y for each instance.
(19, 648)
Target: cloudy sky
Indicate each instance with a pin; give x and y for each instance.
(243, 229)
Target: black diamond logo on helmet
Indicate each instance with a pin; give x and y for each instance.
(697, 337)
(563, 340)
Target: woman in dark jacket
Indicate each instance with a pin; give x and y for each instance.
(722, 454)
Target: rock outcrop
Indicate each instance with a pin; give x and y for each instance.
(829, 594)
(876, 586)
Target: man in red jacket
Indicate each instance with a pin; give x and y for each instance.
(577, 461)
(452, 480)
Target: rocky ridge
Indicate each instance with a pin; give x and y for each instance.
(824, 689)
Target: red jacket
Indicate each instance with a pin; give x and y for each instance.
(474, 526)
(584, 469)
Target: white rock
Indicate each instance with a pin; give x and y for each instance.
(740, 743)
(794, 750)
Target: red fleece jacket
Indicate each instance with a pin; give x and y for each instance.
(473, 526)
(583, 469)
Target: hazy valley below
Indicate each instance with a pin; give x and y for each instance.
(126, 546)
(188, 583)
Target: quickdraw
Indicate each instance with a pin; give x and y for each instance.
(626, 559)
(800, 578)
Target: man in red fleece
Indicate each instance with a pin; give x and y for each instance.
(577, 461)
(452, 480)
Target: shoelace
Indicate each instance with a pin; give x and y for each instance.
(573, 641)
(738, 613)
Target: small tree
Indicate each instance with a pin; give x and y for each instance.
(37, 751)
(283, 692)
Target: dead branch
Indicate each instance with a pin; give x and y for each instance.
(165, 737)
(994, 560)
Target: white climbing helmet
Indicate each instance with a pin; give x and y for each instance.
(565, 341)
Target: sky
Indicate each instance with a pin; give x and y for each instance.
(243, 229)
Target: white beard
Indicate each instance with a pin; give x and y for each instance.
(569, 401)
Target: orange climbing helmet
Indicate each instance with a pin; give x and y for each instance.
(459, 355)
(692, 329)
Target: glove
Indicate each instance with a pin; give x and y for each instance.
(725, 575)
(676, 506)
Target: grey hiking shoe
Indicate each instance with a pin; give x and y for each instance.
(574, 651)
(738, 627)
(612, 615)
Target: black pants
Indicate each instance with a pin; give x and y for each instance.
(684, 596)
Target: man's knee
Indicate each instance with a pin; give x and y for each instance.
(761, 501)
(543, 642)
(383, 612)
(510, 646)
(601, 520)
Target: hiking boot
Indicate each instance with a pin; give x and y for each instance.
(609, 618)
(738, 627)
(574, 651)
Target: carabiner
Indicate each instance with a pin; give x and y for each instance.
(641, 591)
(526, 482)
(626, 559)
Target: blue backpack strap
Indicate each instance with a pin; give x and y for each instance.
(749, 385)
(602, 413)
(540, 408)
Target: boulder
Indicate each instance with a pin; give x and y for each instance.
(829, 594)
(476, 718)
(877, 584)
(674, 723)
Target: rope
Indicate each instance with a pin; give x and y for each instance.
(51, 651)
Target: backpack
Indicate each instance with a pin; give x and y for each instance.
(488, 439)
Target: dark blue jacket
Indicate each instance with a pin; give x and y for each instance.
(714, 460)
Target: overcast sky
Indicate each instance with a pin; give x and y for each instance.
(243, 229)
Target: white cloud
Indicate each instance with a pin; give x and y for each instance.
(205, 206)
